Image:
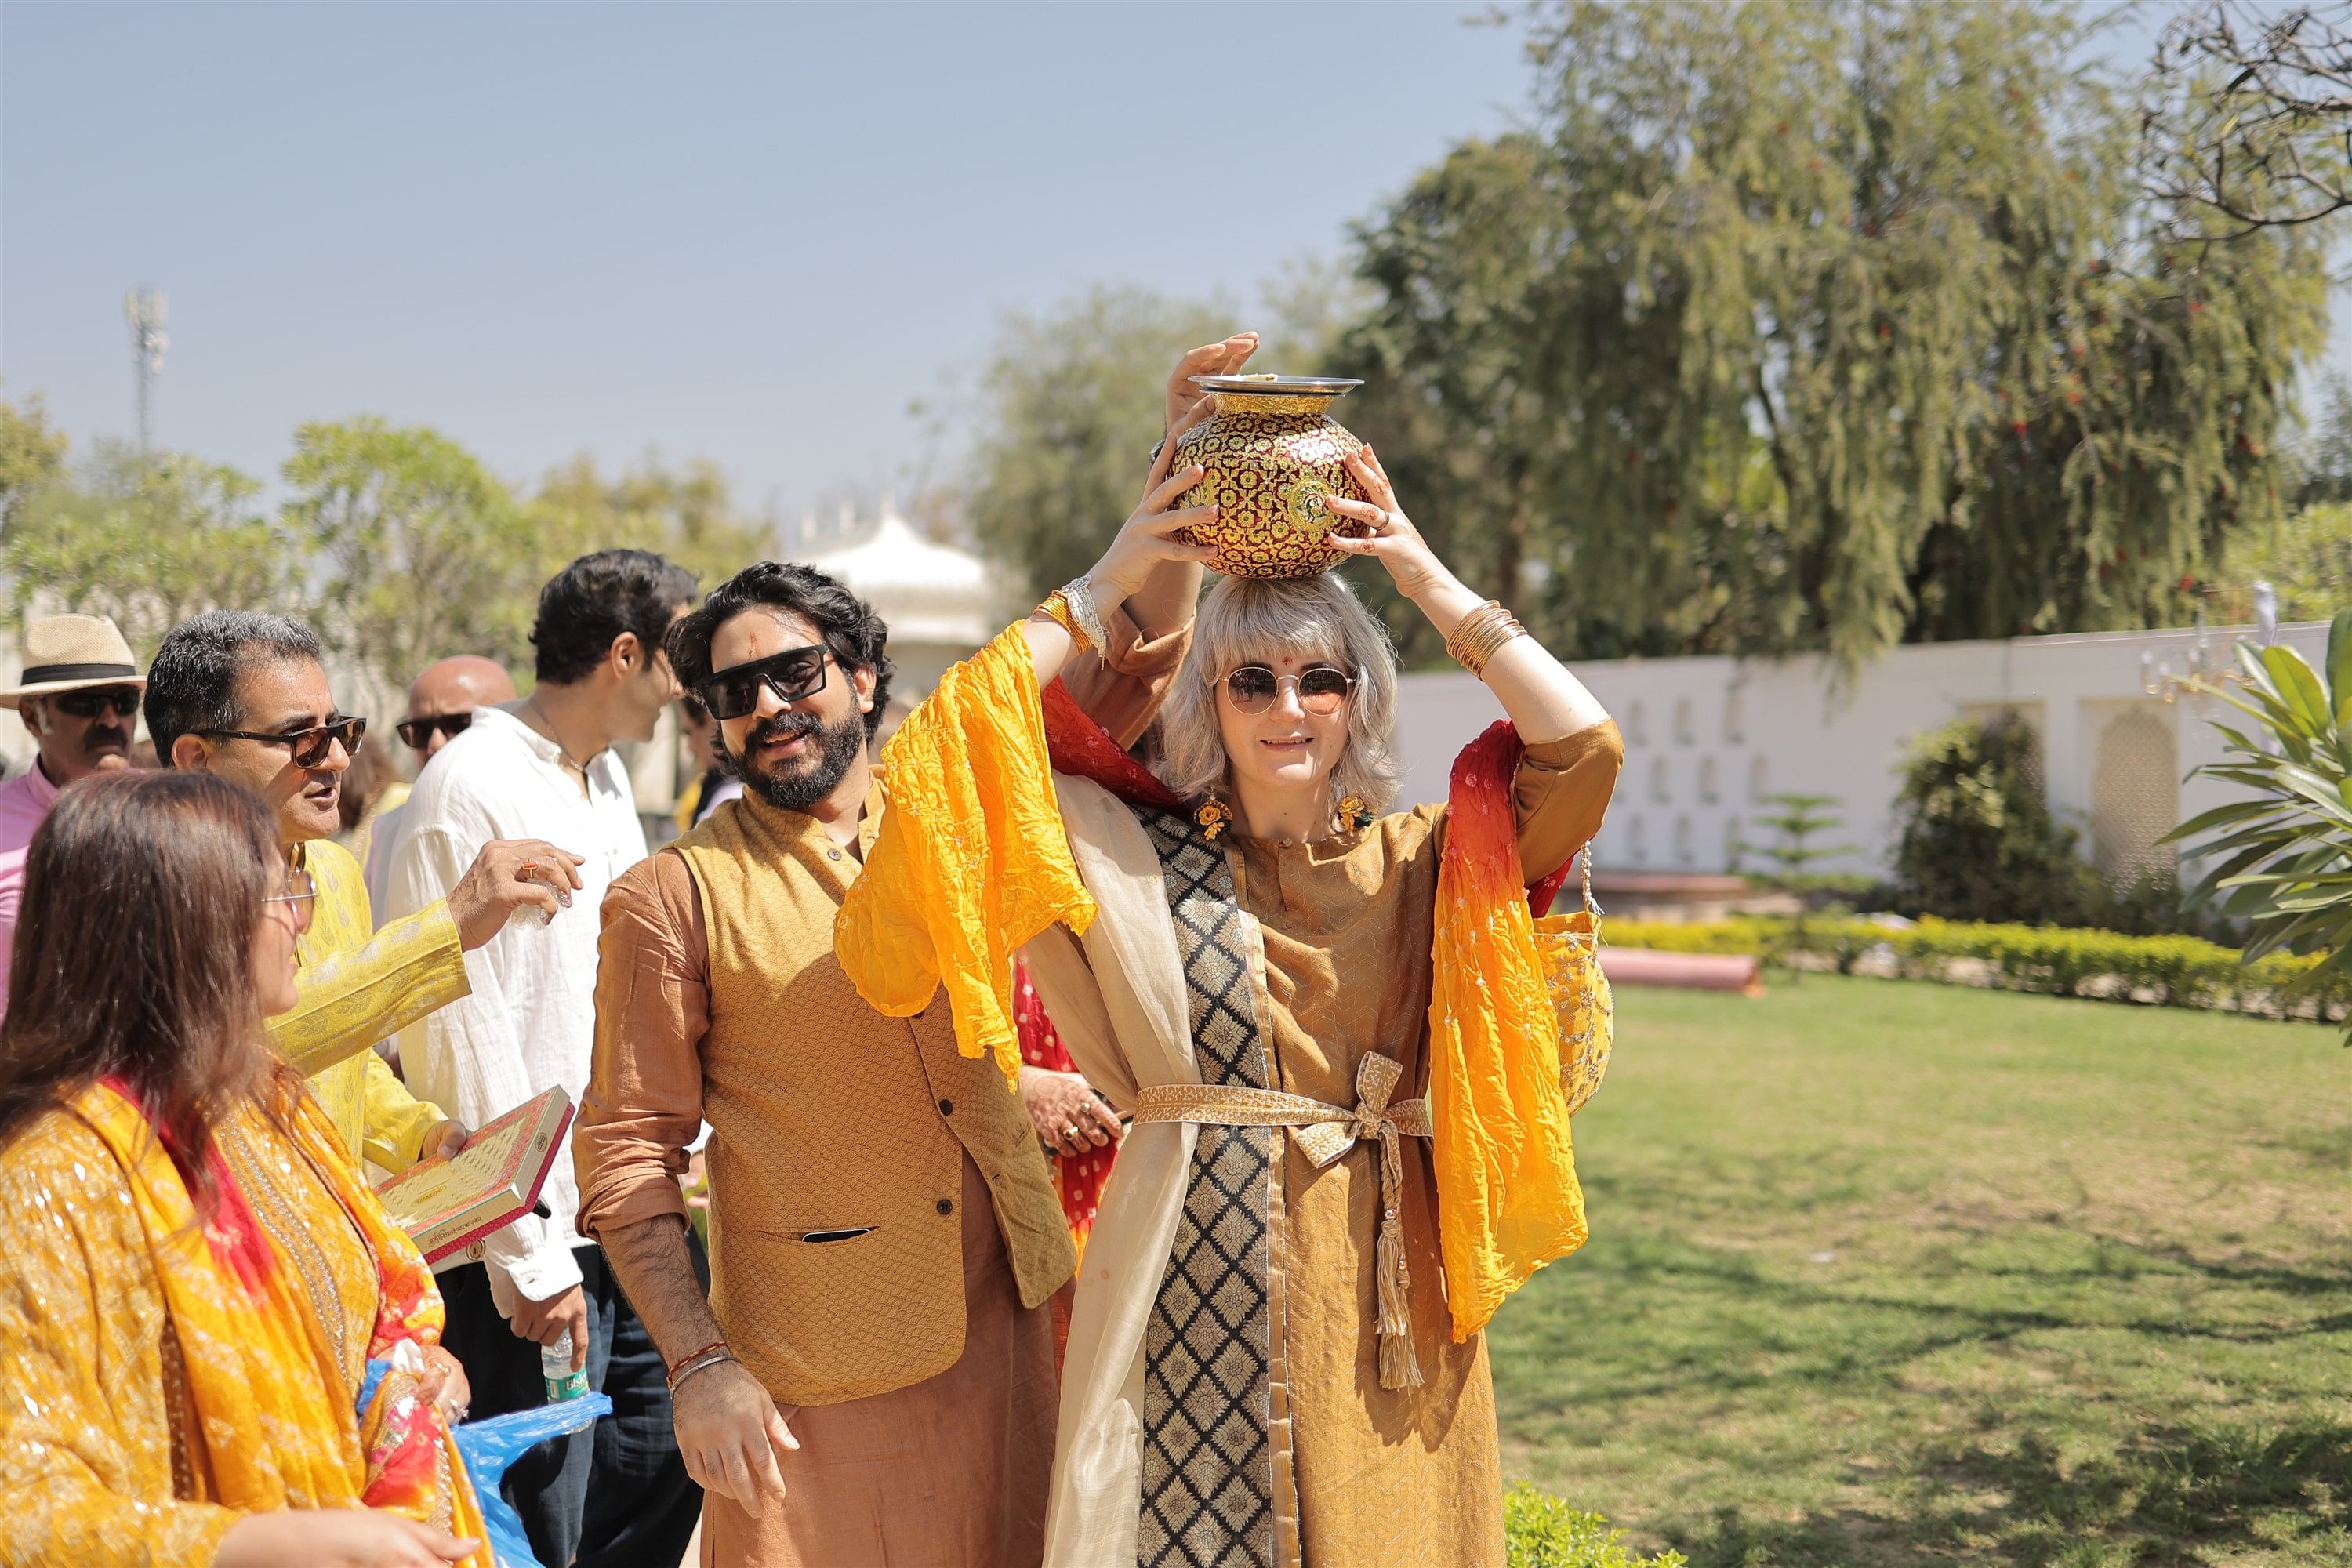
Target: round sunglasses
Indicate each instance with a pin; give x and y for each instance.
(1322, 689)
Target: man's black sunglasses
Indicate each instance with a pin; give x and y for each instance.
(90, 703)
(796, 673)
(417, 733)
(309, 746)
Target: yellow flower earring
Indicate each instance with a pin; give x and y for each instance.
(1354, 813)
(1213, 817)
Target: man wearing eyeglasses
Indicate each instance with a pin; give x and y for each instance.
(246, 696)
(545, 766)
(79, 695)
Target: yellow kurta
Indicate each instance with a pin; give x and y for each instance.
(99, 1462)
(358, 986)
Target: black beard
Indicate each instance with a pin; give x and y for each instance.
(838, 745)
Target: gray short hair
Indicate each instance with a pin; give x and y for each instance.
(1249, 620)
(192, 685)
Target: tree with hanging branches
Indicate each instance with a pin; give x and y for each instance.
(1792, 325)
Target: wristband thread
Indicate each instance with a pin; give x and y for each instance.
(700, 1363)
(713, 1345)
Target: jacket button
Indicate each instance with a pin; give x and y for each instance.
(832, 854)
(946, 1108)
(947, 1206)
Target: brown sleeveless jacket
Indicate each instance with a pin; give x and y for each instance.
(839, 1134)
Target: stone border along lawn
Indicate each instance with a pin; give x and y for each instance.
(1894, 1275)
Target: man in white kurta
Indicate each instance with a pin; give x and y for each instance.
(619, 1494)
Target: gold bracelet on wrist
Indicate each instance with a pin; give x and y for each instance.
(1468, 622)
(1072, 605)
(1492, 641)
(1479, 634)
(1057, 610)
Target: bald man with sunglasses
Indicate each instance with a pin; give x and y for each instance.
(246, 695)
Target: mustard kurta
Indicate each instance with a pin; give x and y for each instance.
(1409, 1475)
(357, 985)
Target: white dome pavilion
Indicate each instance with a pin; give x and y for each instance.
(938, 601)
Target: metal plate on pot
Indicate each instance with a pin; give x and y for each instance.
(1271, 385)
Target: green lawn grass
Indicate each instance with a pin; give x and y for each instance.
(1891, 1273)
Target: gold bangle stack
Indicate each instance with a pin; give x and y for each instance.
(1072, 605)
(1478, 634)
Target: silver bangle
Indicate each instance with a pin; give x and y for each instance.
(1078, 595)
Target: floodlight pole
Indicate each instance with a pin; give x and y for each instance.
(145, 309)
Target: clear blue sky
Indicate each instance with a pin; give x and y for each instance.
(754, 233)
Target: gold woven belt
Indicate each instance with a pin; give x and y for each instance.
(1323, 1133)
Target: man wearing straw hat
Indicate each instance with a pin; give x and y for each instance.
(79, 696)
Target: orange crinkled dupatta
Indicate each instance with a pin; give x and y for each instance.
(1508, 1197)
(276, 1415)
(972, 862)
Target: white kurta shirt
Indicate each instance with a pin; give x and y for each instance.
(531, 1021)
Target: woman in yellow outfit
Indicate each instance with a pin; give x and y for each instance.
(196, 1288)
(1330, 1021)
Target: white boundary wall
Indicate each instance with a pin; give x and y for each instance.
(1706, 737)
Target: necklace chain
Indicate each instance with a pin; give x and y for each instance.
(553, 734)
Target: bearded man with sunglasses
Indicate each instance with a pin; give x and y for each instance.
(79, 696)
(870, 1378)
(616, 1495)
(245, 695)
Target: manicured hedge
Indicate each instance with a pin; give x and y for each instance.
(2174, 970)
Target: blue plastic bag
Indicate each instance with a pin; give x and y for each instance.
(490, 1445)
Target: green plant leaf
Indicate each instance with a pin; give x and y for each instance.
(2339, 666)
(2300, 689)
(2221, 816)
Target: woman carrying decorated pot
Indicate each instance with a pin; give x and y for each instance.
(1329, 1021)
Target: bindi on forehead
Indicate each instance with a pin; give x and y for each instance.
(757, 633)
(1291, 661)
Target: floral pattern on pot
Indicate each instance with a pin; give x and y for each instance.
(1270, 455)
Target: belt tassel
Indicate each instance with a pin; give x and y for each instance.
(1323, 1133)
(1400, 1368)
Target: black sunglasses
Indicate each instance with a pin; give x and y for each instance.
(417, 733)
(89, 704)
(309, 746)
(796, 673)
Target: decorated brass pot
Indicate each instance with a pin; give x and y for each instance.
(1270, 455)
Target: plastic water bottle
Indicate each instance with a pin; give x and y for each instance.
(555, 1370)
